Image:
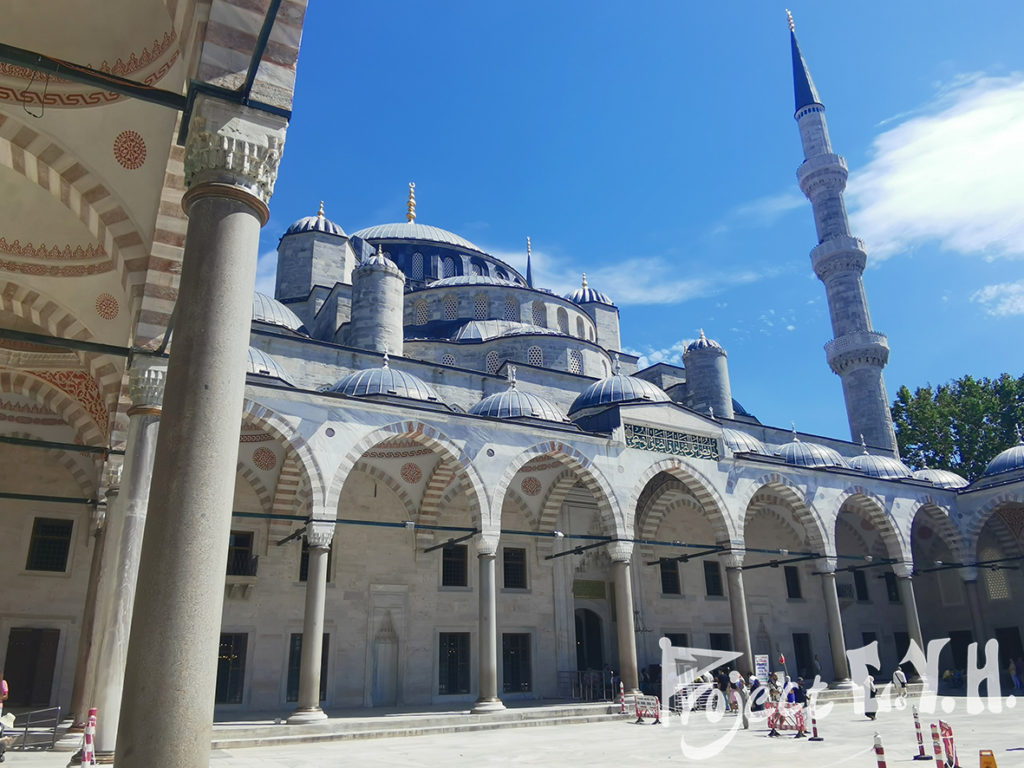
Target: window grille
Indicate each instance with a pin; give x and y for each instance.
(451, 307)
(575, 361)
(511, 309)
(481, 306)
(534, 356)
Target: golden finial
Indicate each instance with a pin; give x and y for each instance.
(792, 26)
(411, 215)
(702, 336)
(320, 213)
(585, 286)
(528, 251)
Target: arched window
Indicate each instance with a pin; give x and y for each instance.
(534, 356)
(580, 330)
(575, 361)
(501, 274)
(447, 359)
(450, 307)
(604, 365)
(448, 267)
(540, 314)
(493, 362)
(481, 306)
(591, 334)
(417, 266)
(563, 321)
(422, 312)
(511, 309)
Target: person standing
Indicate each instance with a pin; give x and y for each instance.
(899, 682)
(4, 690)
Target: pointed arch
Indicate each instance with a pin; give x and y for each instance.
(89, 428)
(696, 483)
(926, 508)
(389, 482)
(260, 416)
(258, 486)
(975, 523)
(84, 471)
(859, 500)
(787, 493)
(430, 508)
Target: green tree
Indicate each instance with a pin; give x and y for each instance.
(959, 426)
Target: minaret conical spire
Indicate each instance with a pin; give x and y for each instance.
(529, 264)
(803, 85)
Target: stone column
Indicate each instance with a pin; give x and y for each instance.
(231, 159)
(738, 607)
(970, 579)
(906, 590)
(146, 389)
(621, 552)
(488, 700)
(835, 630)
(318, 537)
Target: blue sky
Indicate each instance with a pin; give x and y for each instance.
(652, 145)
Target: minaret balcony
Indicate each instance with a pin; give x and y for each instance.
(839, 254)
(854, 350)
(827, 169)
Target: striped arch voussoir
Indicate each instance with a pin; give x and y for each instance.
(297, 450)
(860, 500)
(927, 509)
(84, 471)
(792, 496)
(87, 431)
(976, 523)
(713, 504)
(258, 486)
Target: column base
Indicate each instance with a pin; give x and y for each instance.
(76, 759)
(842, 685)
(306, 715)
(484, 706)
(104, 758)
(70, 740)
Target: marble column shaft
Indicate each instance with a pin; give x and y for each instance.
(974, 606)
(624, 621)
(835, 629)
(171, 674)
(488, 700)
(318, 537)
(78, 709)
(146, 385)
(740, 623)
(906, 589)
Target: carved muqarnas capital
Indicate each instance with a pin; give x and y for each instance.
(319, 534)
(146, 386)
(231, 144)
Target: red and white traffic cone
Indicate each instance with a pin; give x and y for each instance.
(880, 752)
(622, 698)
(920, 739)
(89, 747)
(937, 744)
(814, 727)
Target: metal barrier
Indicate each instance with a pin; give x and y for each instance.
(36, 729)
(586, 686)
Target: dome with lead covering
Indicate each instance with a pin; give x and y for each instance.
(273, 312)
(387, 382)
(882, 467)
(740, 442)
(801, 454)
(704, 343)
(318, 223)
(447, 282)
(262, 364)
(942, 478)
(587, 295)
(492, 329)
(1009, 460)
(410, 230)
(514, 404)
(617, 388)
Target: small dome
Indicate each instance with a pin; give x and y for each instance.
(801, 454)
(513, 404)
(740, 442)
(704, 343)
(318, 223)
(943, 478)
(617, 388)
(410, 230)
(882, 467)
(586, 295)
(379, 260)
(262, 364)
(385, 381)
(1007, 461)
(273, 312)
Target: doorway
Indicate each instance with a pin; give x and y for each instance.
(589, 640)
(31, 658)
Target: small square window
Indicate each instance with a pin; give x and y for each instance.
(670, 577)
(860, 585)
(793, 582)
(713, 579)
(891, 588)
(514, 565)
(455, 566)
(51, 542)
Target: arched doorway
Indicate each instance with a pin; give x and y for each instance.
(589, 640)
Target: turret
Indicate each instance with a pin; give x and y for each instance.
(314, 251)
(378, 288)
(707, 378)
(858, 353)
(602, 311)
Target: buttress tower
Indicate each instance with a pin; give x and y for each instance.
(857, 353)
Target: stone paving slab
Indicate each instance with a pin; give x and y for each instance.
(848, 742)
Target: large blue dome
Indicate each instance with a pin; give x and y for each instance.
(882, 467)
(617, 388)
(942, 478)
(801, 454)
(410, 230)
(1007, 461)
(385, 381)
(513, 404)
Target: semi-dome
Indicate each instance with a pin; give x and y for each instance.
(273, 312)
(801, 454)
(587, 295)
(262, 364)
(385, 381)
(514, 404)
(882, 467)
(410, 230)
(318, 223)
(740, 442)
(942, 478)
(1007, 461)
(703, 343)
(617, 388)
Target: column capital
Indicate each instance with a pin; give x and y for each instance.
(620, 551)
(969, 573)
(319, 533)
(112, 477)
(903, 570)
(487, 543)
(229, 144)
(146, 386)
(731, 559)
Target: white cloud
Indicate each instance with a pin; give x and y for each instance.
(1002, 299)
(951, 174)
(760, 212)
(649, 355)
(266, 273)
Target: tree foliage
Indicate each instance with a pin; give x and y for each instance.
(959, 426)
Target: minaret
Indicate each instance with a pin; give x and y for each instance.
(857, 354)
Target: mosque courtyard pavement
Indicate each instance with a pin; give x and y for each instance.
(848, 741)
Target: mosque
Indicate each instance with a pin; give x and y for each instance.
(450, 485)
